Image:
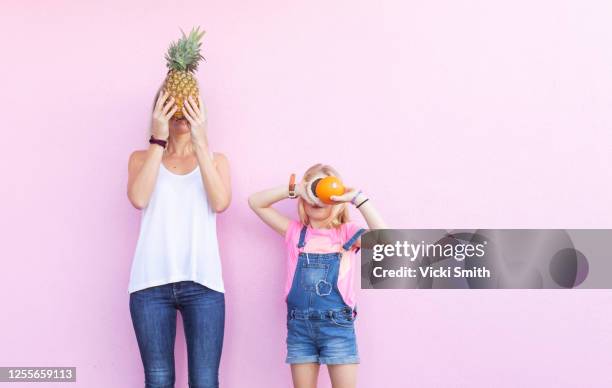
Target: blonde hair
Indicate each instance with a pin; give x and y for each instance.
(159, 90)
(340, 212)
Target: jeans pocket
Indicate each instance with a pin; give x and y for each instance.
(290, 321)
(342, 320)
(313, 274)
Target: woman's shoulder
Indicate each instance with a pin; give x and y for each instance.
(138, 154)
(219, 156)
(137, 158)
(219, 159)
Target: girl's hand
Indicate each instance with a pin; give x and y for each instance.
(370, 214)
(349, 194)
(161, 114)
(198, 119)
(300, 190)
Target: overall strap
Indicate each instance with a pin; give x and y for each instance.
(302, 241)
(353, 239)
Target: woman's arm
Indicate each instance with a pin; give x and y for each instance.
(262, 202)
(216, 177)
(215, 171)
(143, 166)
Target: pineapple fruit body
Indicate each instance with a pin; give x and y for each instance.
(180, 85)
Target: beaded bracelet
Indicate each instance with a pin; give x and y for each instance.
(355, 197)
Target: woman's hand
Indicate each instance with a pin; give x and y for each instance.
(198, 119)
(161, 114)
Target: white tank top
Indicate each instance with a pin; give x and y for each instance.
(178, 235)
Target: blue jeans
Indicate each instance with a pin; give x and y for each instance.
(153, 312)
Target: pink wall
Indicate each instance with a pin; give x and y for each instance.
(448, 113)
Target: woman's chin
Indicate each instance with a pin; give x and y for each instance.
(180, 125)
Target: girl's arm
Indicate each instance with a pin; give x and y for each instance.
(369, 212)
(367, 209)
(262, 202)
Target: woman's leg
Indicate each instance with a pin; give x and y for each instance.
(154, 318)
(203, 312)
(343, 375)
(305, 375)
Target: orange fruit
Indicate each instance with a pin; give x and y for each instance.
(328, 186)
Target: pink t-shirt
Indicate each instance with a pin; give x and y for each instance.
(324, 241)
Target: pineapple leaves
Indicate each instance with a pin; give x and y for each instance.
(184, 54)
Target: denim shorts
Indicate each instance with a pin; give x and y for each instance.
(324, 337)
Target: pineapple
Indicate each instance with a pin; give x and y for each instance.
(182, 61)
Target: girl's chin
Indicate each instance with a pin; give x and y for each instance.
(318, 214)
(319, 207)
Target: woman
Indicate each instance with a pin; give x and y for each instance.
(180, 185)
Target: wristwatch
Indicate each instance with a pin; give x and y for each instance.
(160, 142)
(292, 193)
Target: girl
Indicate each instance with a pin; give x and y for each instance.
(319, 288)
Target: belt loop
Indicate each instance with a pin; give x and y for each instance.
(307, 259)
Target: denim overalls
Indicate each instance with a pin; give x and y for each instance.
(320, 325)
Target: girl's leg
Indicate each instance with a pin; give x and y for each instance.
(305, 375)
(343, 375)
(203, 312)
(154, 319)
